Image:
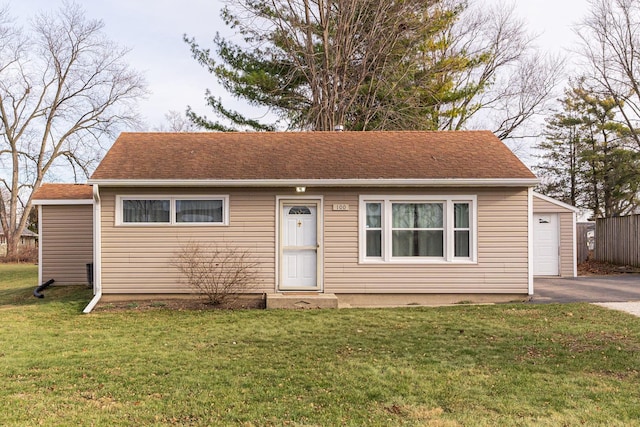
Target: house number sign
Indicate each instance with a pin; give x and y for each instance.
(341, 207)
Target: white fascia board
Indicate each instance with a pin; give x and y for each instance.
(452, 182)
(556, 202)
(63, 202)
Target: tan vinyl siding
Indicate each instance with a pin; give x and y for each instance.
(502, 250)
(566, 244)
(138, 259)
(66, 236)
(541, 205)
(565, 220)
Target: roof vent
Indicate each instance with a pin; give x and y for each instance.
(338, 128)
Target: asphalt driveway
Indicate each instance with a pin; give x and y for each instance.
(612, 288)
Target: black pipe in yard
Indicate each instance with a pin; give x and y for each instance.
(41, 288)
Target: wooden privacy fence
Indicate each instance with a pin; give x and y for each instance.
(618, 240)
(585, 234)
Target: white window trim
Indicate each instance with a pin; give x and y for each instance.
(172, 210)
(447, 200)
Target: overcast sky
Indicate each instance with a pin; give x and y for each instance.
(153, 30)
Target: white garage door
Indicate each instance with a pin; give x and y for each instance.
(545, 245)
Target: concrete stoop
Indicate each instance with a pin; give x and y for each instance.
(301, 300)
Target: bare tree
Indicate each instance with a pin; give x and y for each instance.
(63, 88)
(514, 84)
(610, 46)
(176, 122)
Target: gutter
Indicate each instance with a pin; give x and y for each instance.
(530, 241)
(97, 252)
(352, 182)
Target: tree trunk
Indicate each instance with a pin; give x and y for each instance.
(13, 239)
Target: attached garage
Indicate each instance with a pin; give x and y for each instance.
(554, 241)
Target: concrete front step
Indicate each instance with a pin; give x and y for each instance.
(301, 300)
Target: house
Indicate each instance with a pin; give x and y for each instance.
(362, 218)
(28, 239)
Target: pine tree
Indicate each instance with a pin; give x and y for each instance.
(365, 65)
(587, 160)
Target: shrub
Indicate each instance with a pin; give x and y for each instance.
(218, 272)
(25, 254)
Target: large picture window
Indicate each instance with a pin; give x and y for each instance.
(417, 228)
(203, 210)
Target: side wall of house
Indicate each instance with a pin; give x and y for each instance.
(139, 259)
(565, 220)
(66, 236)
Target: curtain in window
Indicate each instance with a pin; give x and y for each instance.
(418, 215)
(374, 229)
(461, 243)
(145, 211)
(461, 215)
(407, 240)
(461, 229)
(428, 243)
(199, 211)
(374, 215)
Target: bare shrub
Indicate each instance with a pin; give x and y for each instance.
(26, 254)
(218, 272)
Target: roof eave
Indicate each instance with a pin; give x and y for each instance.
(356, 182)
(62, 201)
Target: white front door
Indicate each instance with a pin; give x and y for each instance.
(299, 246)
(546, 258)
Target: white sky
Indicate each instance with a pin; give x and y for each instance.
(153, 30)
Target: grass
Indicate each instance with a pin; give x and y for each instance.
(542, 365)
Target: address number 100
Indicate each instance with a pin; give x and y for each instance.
(341, 207)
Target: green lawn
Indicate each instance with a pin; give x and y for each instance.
(519, 364)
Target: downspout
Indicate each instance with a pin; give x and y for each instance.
(40, 243)
(97, 252)
(530, 238)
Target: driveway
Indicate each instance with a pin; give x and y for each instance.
(612, 288)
